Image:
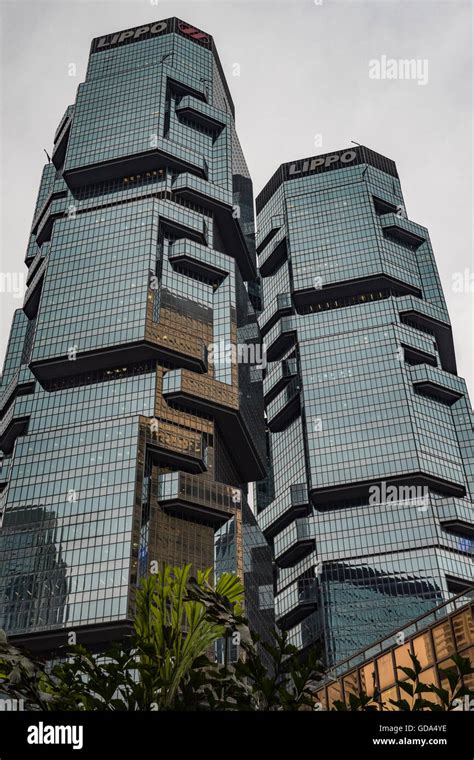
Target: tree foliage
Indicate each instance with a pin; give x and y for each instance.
(168, 662)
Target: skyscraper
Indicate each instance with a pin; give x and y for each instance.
(129, 432)
(368, 501)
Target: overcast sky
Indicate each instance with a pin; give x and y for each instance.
(304, 71)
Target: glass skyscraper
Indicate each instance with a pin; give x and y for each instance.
(129, 432)
(368, 498)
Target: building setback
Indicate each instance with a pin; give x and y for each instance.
(127, 438)
(368, 500)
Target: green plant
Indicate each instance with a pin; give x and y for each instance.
(290, 682)
(174, 630)
(448, 699)
(22, 676)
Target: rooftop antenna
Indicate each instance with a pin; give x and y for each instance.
(367, 165)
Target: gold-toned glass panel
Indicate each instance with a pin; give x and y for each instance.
(351, 685)
(443, 640)
(463, 625)
(366, 678)
(423, 649)
(387, 695)
(469, 680)
(402, 659)
(320, 697)
(445, 665)
(386, 672)
(429, 677)
(334, 693)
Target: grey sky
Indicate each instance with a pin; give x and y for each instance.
(304, 70)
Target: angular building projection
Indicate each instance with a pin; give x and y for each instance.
(369, 498)
(127, 437)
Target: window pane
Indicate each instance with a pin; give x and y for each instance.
(429, 677)
(463, 629)
(334, 693)
(443, 640)
(366, 678)
(351, 685)
(402, 659)
(423, 650)
(387, 695)
(385, 668)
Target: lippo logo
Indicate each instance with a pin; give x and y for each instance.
(191, 31)
(135, 34)
(141, 32)
(310, 164)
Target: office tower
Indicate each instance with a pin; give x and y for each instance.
(241, 548)
(131, 393)
(369, 498)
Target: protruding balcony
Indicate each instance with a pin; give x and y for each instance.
(402, 230)
(294, 542)
(36, 263)
(425, 315)
(436, 383)
(282, 511)
(285, 407)
(21, 383)
(268, 232)
(185, 495)
(279, 307)
(455, 515)
(11, 426)
(273, 256)
(415, 355)
(199, 259)
(196, 188)
(278, 375)
(220, 401)
(202, 113)
(31, 253)
(280, 338)
(4, 472)
(183, 223)
(61, 141)
(165, 154)
(220, 202)
(46, 209)
(13, 423)
(175, 448)
(296, 602)
(33, 293)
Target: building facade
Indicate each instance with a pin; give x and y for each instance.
(129, 430)
(368, 500)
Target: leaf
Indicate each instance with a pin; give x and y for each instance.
(404, 686)
(408, 672)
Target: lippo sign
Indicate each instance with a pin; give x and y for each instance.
(150, 30)
(325, 162)
(119, 37)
